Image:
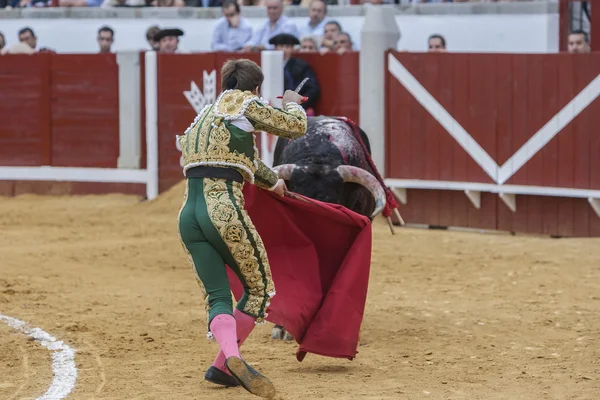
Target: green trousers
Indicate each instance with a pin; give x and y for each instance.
(215, 230)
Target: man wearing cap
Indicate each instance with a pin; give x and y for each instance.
(168, 40)
(276, 24)
(295, 70)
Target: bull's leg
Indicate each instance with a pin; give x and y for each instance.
(279, 333)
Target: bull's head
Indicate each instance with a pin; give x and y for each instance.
(346, 173)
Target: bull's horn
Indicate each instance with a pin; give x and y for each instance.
(362, 177)
(285, 170)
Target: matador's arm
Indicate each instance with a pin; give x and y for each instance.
(290, 123)
(264, 176)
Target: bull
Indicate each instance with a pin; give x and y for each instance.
(329, 164)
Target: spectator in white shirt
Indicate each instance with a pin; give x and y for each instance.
(233, 31)
(276, 24)
(315, 26)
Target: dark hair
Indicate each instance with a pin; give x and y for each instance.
(581, 32)
(438, 36)
(229, 3)
(26, 30)
(241, 74)
(107, 29)
(334, 23)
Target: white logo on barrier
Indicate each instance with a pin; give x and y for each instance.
(198, 99)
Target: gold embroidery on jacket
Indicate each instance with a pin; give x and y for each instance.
(290, 125)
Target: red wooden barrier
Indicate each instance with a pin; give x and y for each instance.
(501, 101)
(338, 81)
(85, 110)
(25, 111)
(60, 110)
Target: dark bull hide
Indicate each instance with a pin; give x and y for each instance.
(328, 164)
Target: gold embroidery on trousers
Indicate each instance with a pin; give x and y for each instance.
(224, 216)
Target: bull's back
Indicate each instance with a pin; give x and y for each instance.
(327, 141)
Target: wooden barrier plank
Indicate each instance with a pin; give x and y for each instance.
(482, 109)
(460, 206)
(85, 110)
(431, 75)
(582, 215)
(446, 142)
(536, 117)
(584, 72)
(417, 123)
(566, 152)
(432, 133)
(446, 98)
(593, 115)
(400, 119)
(504, 122)
(520, 110)
(461, 161)
(549, 153)
(485, 217)
(25, 113)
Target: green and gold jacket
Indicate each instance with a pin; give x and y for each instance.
(222, 134)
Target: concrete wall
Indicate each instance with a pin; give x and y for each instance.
(530, 26)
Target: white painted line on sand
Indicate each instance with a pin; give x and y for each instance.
(63, 359)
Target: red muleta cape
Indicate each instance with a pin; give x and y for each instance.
(320, 257)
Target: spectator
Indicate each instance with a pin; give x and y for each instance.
(276, 24)
(2, 41)
(295, 70)
(309, 44)
(27, 36)
(232, 32)
(210, 3)
(168, 40)
(342, 43)
(105, 39)
(578, 42)
(79, 3)
(315, 26)
(332, 28)
(437, 43)
(150, 33)
(123, 3)
(28, 3)
(168, 3)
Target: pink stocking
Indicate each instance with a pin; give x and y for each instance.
(245, 325)
(223, 328)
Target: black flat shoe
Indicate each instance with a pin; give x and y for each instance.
(250, 379)
(218, 377)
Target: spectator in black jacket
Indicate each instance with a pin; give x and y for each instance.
(295, 70)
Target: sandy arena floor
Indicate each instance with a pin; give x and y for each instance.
(449, 316)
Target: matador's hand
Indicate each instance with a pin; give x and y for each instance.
(280, 188)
